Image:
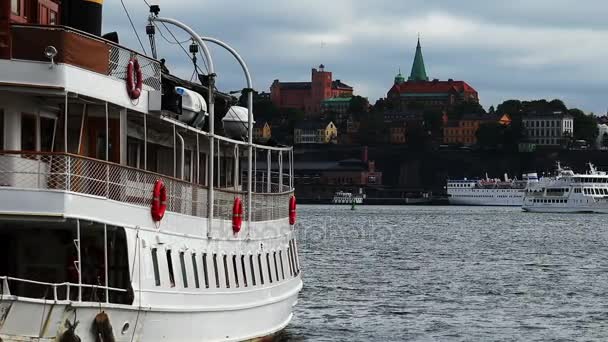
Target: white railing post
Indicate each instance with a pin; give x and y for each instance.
(280, 171)
(268, 169)
(105, 257)
(68, 173)
(79, 261)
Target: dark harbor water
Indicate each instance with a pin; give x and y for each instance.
(451, 274)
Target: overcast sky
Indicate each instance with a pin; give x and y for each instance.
(524, 49)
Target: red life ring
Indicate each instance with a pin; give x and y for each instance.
(134, 86)
(159, 201)
(292, 210)
(237, 215)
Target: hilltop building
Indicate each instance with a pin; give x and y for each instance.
(315, 132)
(308, 96)
(464, 131)
(548, 129)
(419, 93)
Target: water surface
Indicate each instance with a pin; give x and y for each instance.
(451, 274)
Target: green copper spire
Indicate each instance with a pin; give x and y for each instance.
(418, 70)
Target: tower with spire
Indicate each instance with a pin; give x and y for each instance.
(418, 94)
(418, 70)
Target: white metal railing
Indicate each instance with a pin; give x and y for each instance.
(55, 287)
(67, 172)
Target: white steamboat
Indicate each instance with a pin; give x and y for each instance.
(569, 192)
(490, 192)
(120, 218)
(343, 197)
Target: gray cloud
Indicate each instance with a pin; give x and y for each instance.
(516, 49)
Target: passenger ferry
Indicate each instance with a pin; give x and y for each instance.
(125, 213)
(490, 192)
(569, 192)
(342, 197)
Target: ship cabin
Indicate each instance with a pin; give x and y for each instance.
(81, 155)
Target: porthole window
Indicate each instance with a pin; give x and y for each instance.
(183, 265)
(268, 267)
(170, 267)
(155, 266)
(205, 271)
(216, 273)
(236, 271)
(226, 277)
(195, 269)
(252, 270)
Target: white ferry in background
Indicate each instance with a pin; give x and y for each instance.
(343, 197)
(122, 216)
(569, 192)
(490, 192)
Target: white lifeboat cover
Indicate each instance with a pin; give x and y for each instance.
(237, 114)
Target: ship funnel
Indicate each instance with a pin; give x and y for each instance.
(84, 15)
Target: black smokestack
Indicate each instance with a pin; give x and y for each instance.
(84, 15)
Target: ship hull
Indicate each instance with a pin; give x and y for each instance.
(31, 320)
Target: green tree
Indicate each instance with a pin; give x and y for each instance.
(585, 126)
(358, 105)
(490, 135)
(511, 107)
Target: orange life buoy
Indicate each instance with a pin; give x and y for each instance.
(159, 201)
(237, 215)
(134, 86)
(292, 210)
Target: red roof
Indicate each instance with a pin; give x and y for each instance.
(433, 87)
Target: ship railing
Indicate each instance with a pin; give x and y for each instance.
(74, 173)
(111, 59)
(58, 291)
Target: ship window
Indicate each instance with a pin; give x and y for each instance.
(1, 129)
(276, 268)
(217, 276)
(205, 271)
(282, 268)
(195, 269)
(170, 267)
(261, 269)
(47, 131)
(155, 266)
(236, 271)
(268, 267)
(244, 271)
(295, 255)
(289, 260)
(183, 264)
(28, 132)
(226, 277)
(252, 270)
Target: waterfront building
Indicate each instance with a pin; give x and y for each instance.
(419, 93)
(308, 96)
(262, 131)
(548, 129)
(315, 132)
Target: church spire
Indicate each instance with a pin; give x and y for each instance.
(418, 69)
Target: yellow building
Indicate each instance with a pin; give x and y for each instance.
(464, 131)
(262, 131)
(315, 132)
